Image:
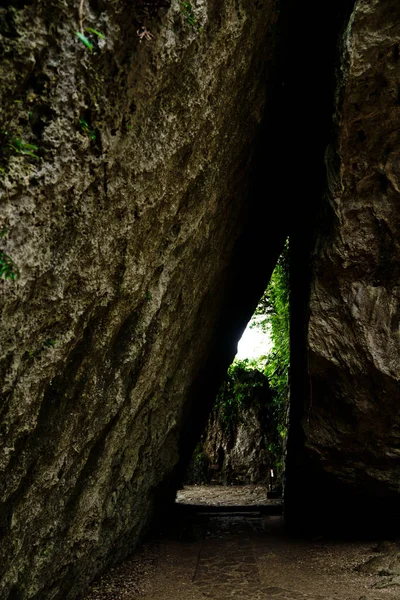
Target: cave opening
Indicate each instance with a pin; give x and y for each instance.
(240, 454)
(300, 152)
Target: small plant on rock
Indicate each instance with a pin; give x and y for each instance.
(12, 144)
(8, 268)
(188, 13)
(81, 33)
(88, 130)
(49, 343)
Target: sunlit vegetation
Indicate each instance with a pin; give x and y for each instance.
(261, 383)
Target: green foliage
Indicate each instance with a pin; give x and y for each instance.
(35, 354)
(277, 457)
(88, 130)
(80, 35)
(246, 378)
(21, 147)
(84, 40)
(49, 343)
(199, 468)
(274, 305)
(148, 296)
(8, 269)
(95, 32)
(188, 13)
(239, 389)
(262, 383)
(11, 144)
(245, 386)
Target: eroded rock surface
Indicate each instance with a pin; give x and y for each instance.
(386, 564)
(351, 421)
(128, 171)
(238, 454)
(241, 442)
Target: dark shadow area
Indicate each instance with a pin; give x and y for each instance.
(244, 281)
(297, 129)
(238, 463)
(314, 500)
(249, 554)
(183, 510)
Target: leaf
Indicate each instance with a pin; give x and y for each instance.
(26, 146)
(27, 153)
(87, 130)
(98, 33)
(84, 40)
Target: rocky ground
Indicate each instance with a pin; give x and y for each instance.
(249, 555)
(220, 495)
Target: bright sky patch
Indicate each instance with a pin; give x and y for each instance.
(254, 342)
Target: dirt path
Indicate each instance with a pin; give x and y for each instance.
(244, 556)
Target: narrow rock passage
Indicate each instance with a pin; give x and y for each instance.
(239, 554)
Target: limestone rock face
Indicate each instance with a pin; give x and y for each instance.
(127, 173)
(241, 455)
(238, 450)
(385, 564)
(351, 422)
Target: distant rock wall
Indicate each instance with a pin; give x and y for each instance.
(239, 456)
(128, 179)
(242, 447)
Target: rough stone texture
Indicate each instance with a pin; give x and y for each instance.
(125, 231)
(249, 557)
(239, 449)
(350, 458)
(241, 455)
(224, 495)
(385, 564)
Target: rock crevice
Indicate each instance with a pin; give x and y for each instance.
(129, 187)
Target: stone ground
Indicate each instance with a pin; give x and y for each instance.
(247, 555)
(220, 495)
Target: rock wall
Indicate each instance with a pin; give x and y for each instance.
(346, 458)
(136, 240)
(240, 455)
(241, 442)
(130, 207)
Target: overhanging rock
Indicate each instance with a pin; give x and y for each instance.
(129, 209)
